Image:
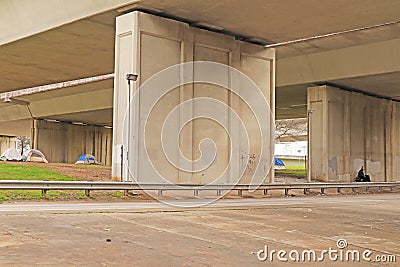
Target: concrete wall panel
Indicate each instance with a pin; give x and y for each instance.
(260, 68)
(204, 128)
(335, 140)
(156, 54)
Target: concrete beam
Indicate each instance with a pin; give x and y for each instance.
(16, 128)
(96, 100)
(20, 19)
(356, 61)
(55, 86)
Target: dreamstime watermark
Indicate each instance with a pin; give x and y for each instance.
(340, 253)
(157, 115)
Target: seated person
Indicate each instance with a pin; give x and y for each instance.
(361, 177)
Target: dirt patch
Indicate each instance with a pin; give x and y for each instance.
(84, 173)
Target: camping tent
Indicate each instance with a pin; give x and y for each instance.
(86, 159)
(34, 155)
(11, 154)
(279, 165)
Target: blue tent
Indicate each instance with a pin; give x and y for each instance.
(86, 159)
(279, 164)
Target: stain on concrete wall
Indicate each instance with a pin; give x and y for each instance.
(333, 165)
(374, 167)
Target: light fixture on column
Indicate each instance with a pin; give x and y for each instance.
(129, 77)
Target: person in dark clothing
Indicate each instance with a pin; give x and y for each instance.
(361, 177)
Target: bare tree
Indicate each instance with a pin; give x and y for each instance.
(290, 128)
(23, 143)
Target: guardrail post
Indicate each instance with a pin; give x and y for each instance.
(286, 192)
(338, 190)
(353, 189)
(160, 193)
(391, 188)
(322, 190)
(366, 189)
(196, 193)
(240, 192)
(87, 193)
(305, 191)
(126, 193)
(44, 191)
(265, 192)
(379, 188)
(219, 192)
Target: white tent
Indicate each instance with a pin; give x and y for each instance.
(11, 154)
(34, 155)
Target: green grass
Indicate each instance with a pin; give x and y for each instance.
(293, 171)
(295, 167)
(24, 172)
(36, 195)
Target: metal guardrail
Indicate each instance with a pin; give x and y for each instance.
(44, 186)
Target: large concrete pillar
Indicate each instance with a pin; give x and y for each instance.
(349, 130)
(146, 45)
(7, 142)
(65, 142)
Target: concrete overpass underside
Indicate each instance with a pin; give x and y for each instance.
(58, 46)
(49, 116)
(63, 41)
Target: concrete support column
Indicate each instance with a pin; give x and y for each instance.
(146, 45)
(349, 130)
(395, 141)
(65, 142)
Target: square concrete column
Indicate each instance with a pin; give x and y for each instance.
(147, 45)
(349, 130)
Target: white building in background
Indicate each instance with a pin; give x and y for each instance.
(292, 153)
(296, 149)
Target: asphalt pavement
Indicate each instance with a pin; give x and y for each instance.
(233, 232)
